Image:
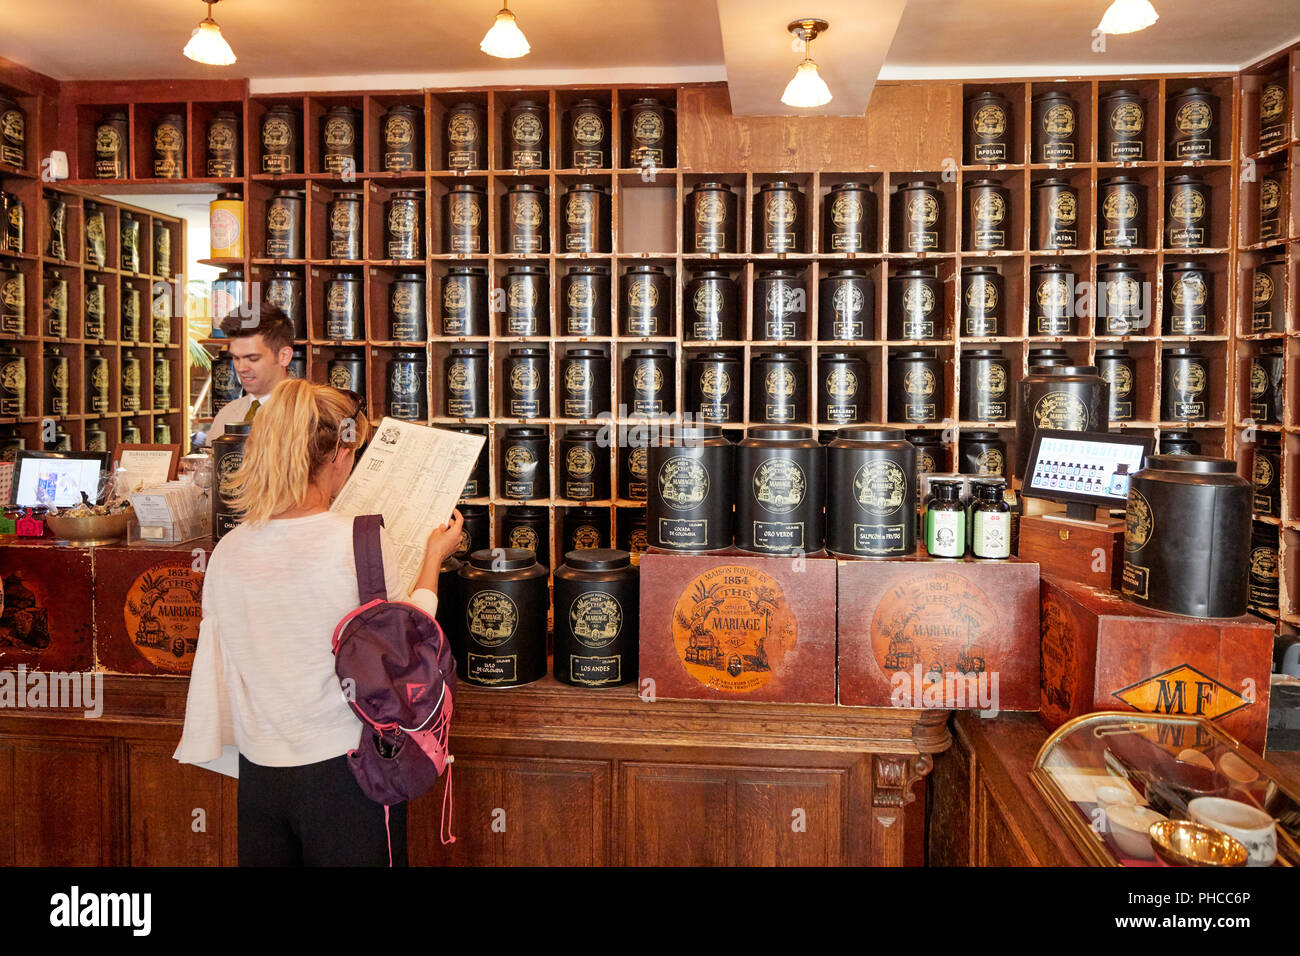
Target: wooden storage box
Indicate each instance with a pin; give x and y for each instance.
(736, 626)
(45, 613)
(916, 632)
(1100, 652)
(1087, 551)
(148, 607)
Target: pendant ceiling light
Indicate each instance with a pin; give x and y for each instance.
(807, 89)
(207, 45)
(505, 39)
(1128, 16)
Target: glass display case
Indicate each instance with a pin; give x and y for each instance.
(1150, 790)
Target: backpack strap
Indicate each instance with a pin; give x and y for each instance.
(369, 558)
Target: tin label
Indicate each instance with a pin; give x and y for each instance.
(491, 669)
(684, 532)
(491, 618)
(594, 671)
(1061, 410)
(941, 623)
(595, 619)
(879, 488)
(162, 612)
(683, 483)
(779, 485)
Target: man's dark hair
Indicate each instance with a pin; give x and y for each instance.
(269, 321)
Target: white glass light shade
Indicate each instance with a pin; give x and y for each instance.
(505, 39)
(1128, 16)
(207, 45)
(807, 88)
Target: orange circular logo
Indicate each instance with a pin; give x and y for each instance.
(732, 627)
(939, 622)
(162, 613)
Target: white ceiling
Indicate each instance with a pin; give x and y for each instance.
(343, 44)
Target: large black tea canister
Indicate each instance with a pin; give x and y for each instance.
(1064, 397)
(586, 218)
(585, 529)
(917, 224)
(97, 438)
(169, 147)
(1274, 104)
(346, 371)
(477, 484)
(525, 131)
(96, 307)
(464, 138)
(1054, 221)
(162, 249)
(407, 377)
(986, 386)
(587, 136)
(1266, 477)
(1187, 212)
(528, 527)
(503, 593)
(849, 219)
(56, 381)
(1179, 443)
(1055, 128)
(649, 134)
(111, 146)
(633, 471)
(916, 388)
(778, 219)
(12, 228)
(465, 301)
(297, 367)
(466, 384)
(692, 492)
(96, 234)
(584, 383)
(281, 140)
(931, 452)
(284, 225)
(464, 219)
(344, 316)
(13, 302)
(525, 462)
(404, 225)
(1266, 394)
(649, 382)
(1272, 187)
(711, 220)
(129, 234)
(225, 147)
(1187, 537)
(97, 383)
(130, 314)
(1121, 213)
(130, 432)
(582, 465)
(1052, 299)
(524, 216)
(162, 382)
(989, 130)
(982, 454)
(1185, 386)
(871, 493)
(401, 137)
(227, 457)
(780, 491)
(1121, 124)
(340, 140)
(1123, 299)
(1263, 591)
(527, 394)
(584, 300)
(714, 383)
(343, 226)
(846, 306)
(1188, 298)
(988, 215)
(55, 305)
(916, 307)
(778, 388)
(983, 301)
(13, 133)
(597, 618)
(1268, 308)
(528, 300)
(1191, 124)
(711, 303)
(1119, 371)
(286, 291)
(645, 303)
(56, 224)
(13, 382)
(780, 306)
(407, 318)
(843, 393)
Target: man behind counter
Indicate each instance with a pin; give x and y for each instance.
(261, 347)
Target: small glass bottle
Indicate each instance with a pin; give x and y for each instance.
(990, 521)
(945, 520)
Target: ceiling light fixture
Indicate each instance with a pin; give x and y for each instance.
(807, 89)
(505, 39)
(207, 45)
(1127, 16)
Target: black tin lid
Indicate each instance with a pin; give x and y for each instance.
(1051, 95)
(344, 195)
(1127, 94)
(597, 559)
(1117, 352)
(290, 193)
(871, 434)
(525, 512)
(470, 351)
(648, 353)
(525, 431)
(709, 186)
(647, 269)
(780, 274)
(527, 351)
(840, 357)
(683, 434)
(917, 184)
(711, 272)
(858, 186)
(780, 184)
(450, 565)
(918, 355)
(1185, 178)
(348, 355)
(1052, 267)
(977, 183)
(1052, 181)
(983, 354)
(980, 436)
(1119, 267)
(1182, 352)
(409, 357)
(1193, 464)
(981, 270)
(526, 188)
(527, 269)
(467, 271)
(345, 277)
(781, 356)
(914, 270)
(409, 277)
(502, 559)
(847, 274)
(528, 105)
(584, 353)
(237, 428)
(777, 433)
(587, 188)
(1064, 370)
(588, 269)
(1185, 266)
(1119, 181)
(1195, 91)
(715, 356)
(468, 188)
(583, 433)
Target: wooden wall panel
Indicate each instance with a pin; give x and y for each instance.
(664, 803)
(906, 126)
(557, 812)
(64, 797)
(163, 796)
(764, 824)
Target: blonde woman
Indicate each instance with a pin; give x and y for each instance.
(263, 683)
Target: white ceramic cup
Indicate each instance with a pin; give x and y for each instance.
(1129, 825)
(1253, 828)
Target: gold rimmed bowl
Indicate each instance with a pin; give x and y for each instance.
(1186, 843)
(85, 530)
